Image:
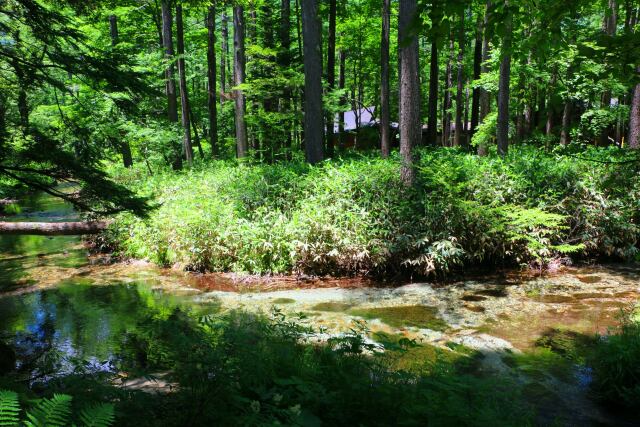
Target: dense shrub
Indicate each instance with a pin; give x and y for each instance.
(353, 216)
(616, 363)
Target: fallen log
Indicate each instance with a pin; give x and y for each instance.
(53, 228)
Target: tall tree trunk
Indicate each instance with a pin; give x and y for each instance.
(460, 126)
(446, 106)
(224, 55)
(285, 61)
(503, 88)
(211, 79)
(125, 148)
(167, 40)
(385, 140)
(433, 93)
(239, 75)
(331, 71)
(484, 100)
(550, 112)
(566, 122)
(184, 96)
(477, 68)
(312, 40)
(170, 82)
(634, 118)
(341, 82)
(609, 25)
(410, 129)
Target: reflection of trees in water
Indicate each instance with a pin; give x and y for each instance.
(79, 327)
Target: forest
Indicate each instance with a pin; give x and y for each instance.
(394, 183)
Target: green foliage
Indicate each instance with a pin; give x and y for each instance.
(616, 363)
(354, 216)
(52, 412)
(9, 408)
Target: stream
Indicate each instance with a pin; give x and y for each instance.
(54, 295)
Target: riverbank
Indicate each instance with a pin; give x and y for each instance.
(354, 217)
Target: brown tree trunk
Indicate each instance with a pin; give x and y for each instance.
(432, 124)
(609, 25)
(239, 75)
(477, 68)
(312, 41)
(503, 89)
(53, 228)
(125, 148)
(331, 73)
(170, 82)
(184, 96)
(285, 61)
(211, 79)
(167, 40)
(410, 129)
(566, 122)
(458, 138)
(341, 83)
(550, 112)
(196, 137)
(224, 55)
(385, 140)
(484, 100)
(446, 106)
(634, 118)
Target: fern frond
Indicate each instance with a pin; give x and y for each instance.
(54, 412)
(98, 416)
(9, 408)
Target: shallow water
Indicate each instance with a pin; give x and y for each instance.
(56, 299)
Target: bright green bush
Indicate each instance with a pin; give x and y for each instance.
(354, 216)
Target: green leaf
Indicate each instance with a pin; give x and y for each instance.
(9, 408)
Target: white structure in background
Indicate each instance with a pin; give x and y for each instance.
(364, 114)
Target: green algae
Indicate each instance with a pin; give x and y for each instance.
(283, 301)
(331, 306)
(404, 354)
(401, 316)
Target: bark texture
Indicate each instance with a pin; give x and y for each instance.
(503, 89)
(385, 141)
(53, 228)
(312, 42)
(239, 62)
(187, 147)
(125, 148)
(211, 79)
(458, 138)
(410, 129)
(634, 119)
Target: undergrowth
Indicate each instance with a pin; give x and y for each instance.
(353, 216)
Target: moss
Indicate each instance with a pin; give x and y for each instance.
(406, 354)
(413, 315)
(540, 362)
(335, 307)
(569, 344)
(283, 301)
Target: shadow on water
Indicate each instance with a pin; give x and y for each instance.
(236, 368)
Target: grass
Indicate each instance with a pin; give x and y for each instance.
(353, 215)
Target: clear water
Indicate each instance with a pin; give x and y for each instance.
(64, 311)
